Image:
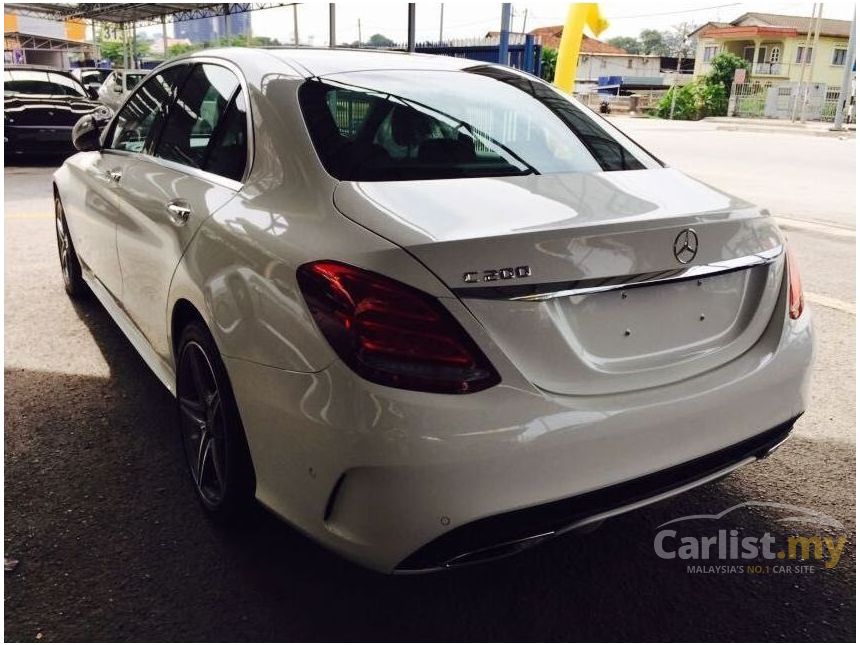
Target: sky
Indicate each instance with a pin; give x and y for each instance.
(465, 18)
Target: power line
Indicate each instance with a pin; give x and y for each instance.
(671, 13)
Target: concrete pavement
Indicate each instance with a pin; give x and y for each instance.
(112, 545)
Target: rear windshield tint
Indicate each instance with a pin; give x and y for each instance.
(480, 122)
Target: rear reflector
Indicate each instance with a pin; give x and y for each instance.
(795, 289)
(392, 334)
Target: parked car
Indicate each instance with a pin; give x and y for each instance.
(428, 310)
(40, 107)
(118, 84)
(91, 78)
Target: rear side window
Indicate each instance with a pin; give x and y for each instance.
(138, 117)
(483, 121)
(228, 149)
(196, 115)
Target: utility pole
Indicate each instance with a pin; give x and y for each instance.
(296, 23)
(134, 45)
(124, 28)
(441, 20)
(164, 35)
(803, 58)
(845, 92)
(525, 17)
(681, 52)
(332, 42)
(504, 34)
(359, 33)
(96, 53)
(812, 62)
(226, 25)
(410, 27)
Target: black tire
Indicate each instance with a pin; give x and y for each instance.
(211, 431)
(69, 263)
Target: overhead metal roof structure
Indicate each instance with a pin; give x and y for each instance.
(139, 14)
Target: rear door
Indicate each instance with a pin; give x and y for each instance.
(195, 166)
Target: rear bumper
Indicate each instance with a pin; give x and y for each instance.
(385, 476)
(502, 535)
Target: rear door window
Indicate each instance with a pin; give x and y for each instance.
(228, 149)
(196, 114)
(137, 122)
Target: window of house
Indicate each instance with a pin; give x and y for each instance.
(774, 54)
(839, 56)
(802, 52)
(710, 53)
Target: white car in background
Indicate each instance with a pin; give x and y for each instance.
(429, 311)
(118, 84)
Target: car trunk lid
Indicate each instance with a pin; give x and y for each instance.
(575, 276)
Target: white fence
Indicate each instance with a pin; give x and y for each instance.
(764, 100)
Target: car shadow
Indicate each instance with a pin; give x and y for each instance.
(113, 546)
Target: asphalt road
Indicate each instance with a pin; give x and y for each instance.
(111, 544)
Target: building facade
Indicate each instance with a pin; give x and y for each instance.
(196, 31)
(776, 47)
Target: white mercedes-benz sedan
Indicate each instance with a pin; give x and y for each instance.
(427, 310)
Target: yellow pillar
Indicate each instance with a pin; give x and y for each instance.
(579, 15)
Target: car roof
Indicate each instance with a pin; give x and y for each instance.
(320, 62)
(35, 68)
(309, 62)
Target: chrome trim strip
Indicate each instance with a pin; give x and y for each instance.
(541, 292)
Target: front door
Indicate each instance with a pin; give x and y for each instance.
(124, 143)
(194, 168)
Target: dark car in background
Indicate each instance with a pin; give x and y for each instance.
(91, 78)
(40, 107)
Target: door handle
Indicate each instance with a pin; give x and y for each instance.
(114, 175)
(179, 211)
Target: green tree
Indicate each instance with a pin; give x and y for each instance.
(686, 105)
(723, 68)
(142, 48)
(180, 48)
(653, 42)
(378, 40)
(694, 101)
(548, 60)
(112, 51)
(627, 43)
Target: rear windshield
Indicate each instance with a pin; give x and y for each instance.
(27, 81)
(480, 122)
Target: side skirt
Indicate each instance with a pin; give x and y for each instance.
(159, 366)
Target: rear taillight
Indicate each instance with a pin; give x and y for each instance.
(795, 290)
(392, 334)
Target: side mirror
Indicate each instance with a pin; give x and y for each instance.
(117, 84)
(86, 135)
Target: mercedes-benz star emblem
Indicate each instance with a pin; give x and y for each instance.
(686, 246)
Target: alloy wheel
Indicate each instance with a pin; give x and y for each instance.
(63, 243)
(202, 423)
